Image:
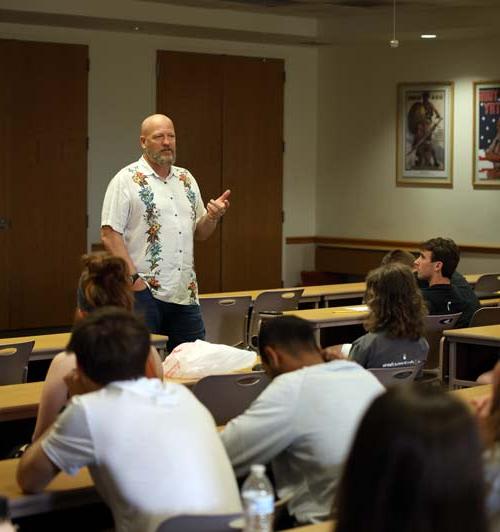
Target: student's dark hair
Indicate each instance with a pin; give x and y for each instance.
(110, 344)
(104, 282)
(288, 332)
(398, 255)
(395, 303)
(415, 466)
(444, 250)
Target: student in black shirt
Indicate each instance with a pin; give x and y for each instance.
(436, 264)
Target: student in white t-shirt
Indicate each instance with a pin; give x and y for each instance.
(152, 449)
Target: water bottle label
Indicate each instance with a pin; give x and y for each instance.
(262, 505)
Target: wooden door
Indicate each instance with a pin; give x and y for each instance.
(228, 114)
(190, 93)
(43, 179)
(253, 169)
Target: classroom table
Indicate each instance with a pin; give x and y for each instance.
(64, 491)
(321, 318)
(48, 345)
(474, 392)
(327, 526)
(20, 401)
(488, 336)
(319, 293)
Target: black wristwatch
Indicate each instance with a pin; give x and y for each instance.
(134, 277)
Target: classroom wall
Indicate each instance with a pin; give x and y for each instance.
(356, 192)
(122, 92)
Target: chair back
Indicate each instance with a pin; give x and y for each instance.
(14, 362)
(200, 523)
(271, 301)
(485, 316)
(400, 375)
(434, 327)
(227, 396)
(225, 319)
(487, 285)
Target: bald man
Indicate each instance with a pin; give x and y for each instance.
(151, 213)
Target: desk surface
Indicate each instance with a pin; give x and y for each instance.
(469, 394)
(48, 345)
(20, 401)
(64, 491)
(330, 316)
(327, 526)
(327, 290)
(485, 333)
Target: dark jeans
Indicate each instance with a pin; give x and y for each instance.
(181, 323)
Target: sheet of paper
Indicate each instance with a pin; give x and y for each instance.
(359, 308)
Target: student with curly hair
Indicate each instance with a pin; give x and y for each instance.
(395, 323)
(415, 466)
(104, 282)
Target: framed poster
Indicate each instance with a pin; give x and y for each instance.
(486, 171)
(425, 134)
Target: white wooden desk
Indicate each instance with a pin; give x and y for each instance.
(487, 336)
(48, 345)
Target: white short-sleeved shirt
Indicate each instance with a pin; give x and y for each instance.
(303, 423)
(152, 449)
(157, 220)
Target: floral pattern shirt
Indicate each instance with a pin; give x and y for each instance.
(157, 220)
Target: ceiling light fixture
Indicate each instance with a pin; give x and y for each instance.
(394, 43)
(428, 36)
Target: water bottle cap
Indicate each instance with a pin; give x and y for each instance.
(258, 469)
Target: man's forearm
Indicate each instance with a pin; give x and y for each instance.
(205, 227)
(113, 242)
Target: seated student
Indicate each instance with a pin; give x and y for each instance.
(415, 466)
(436, 264)
(395, 322)
(458, 281)
(304, 420)
(488, 411)
(104, 282)
(152, 449)
(398, 255)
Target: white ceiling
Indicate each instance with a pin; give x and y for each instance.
(295, 22)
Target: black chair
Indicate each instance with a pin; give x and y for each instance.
(400, 375)
(202, 523)
(227, 396)
(14, 360)
(226, 319)
(487, 286)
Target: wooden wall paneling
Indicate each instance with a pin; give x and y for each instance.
(189, 90)
(7, 64)
(48, 182)
(253, 170)
(349, 261)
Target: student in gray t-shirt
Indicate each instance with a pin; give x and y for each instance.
(395, 323)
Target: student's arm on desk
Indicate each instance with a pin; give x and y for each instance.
(265, 429)
(66, 445)
(35, 470)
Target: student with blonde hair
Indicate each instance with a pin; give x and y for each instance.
(104, 282)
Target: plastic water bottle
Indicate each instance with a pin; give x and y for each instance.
(258, 501)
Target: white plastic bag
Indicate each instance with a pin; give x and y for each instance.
(199, 359)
